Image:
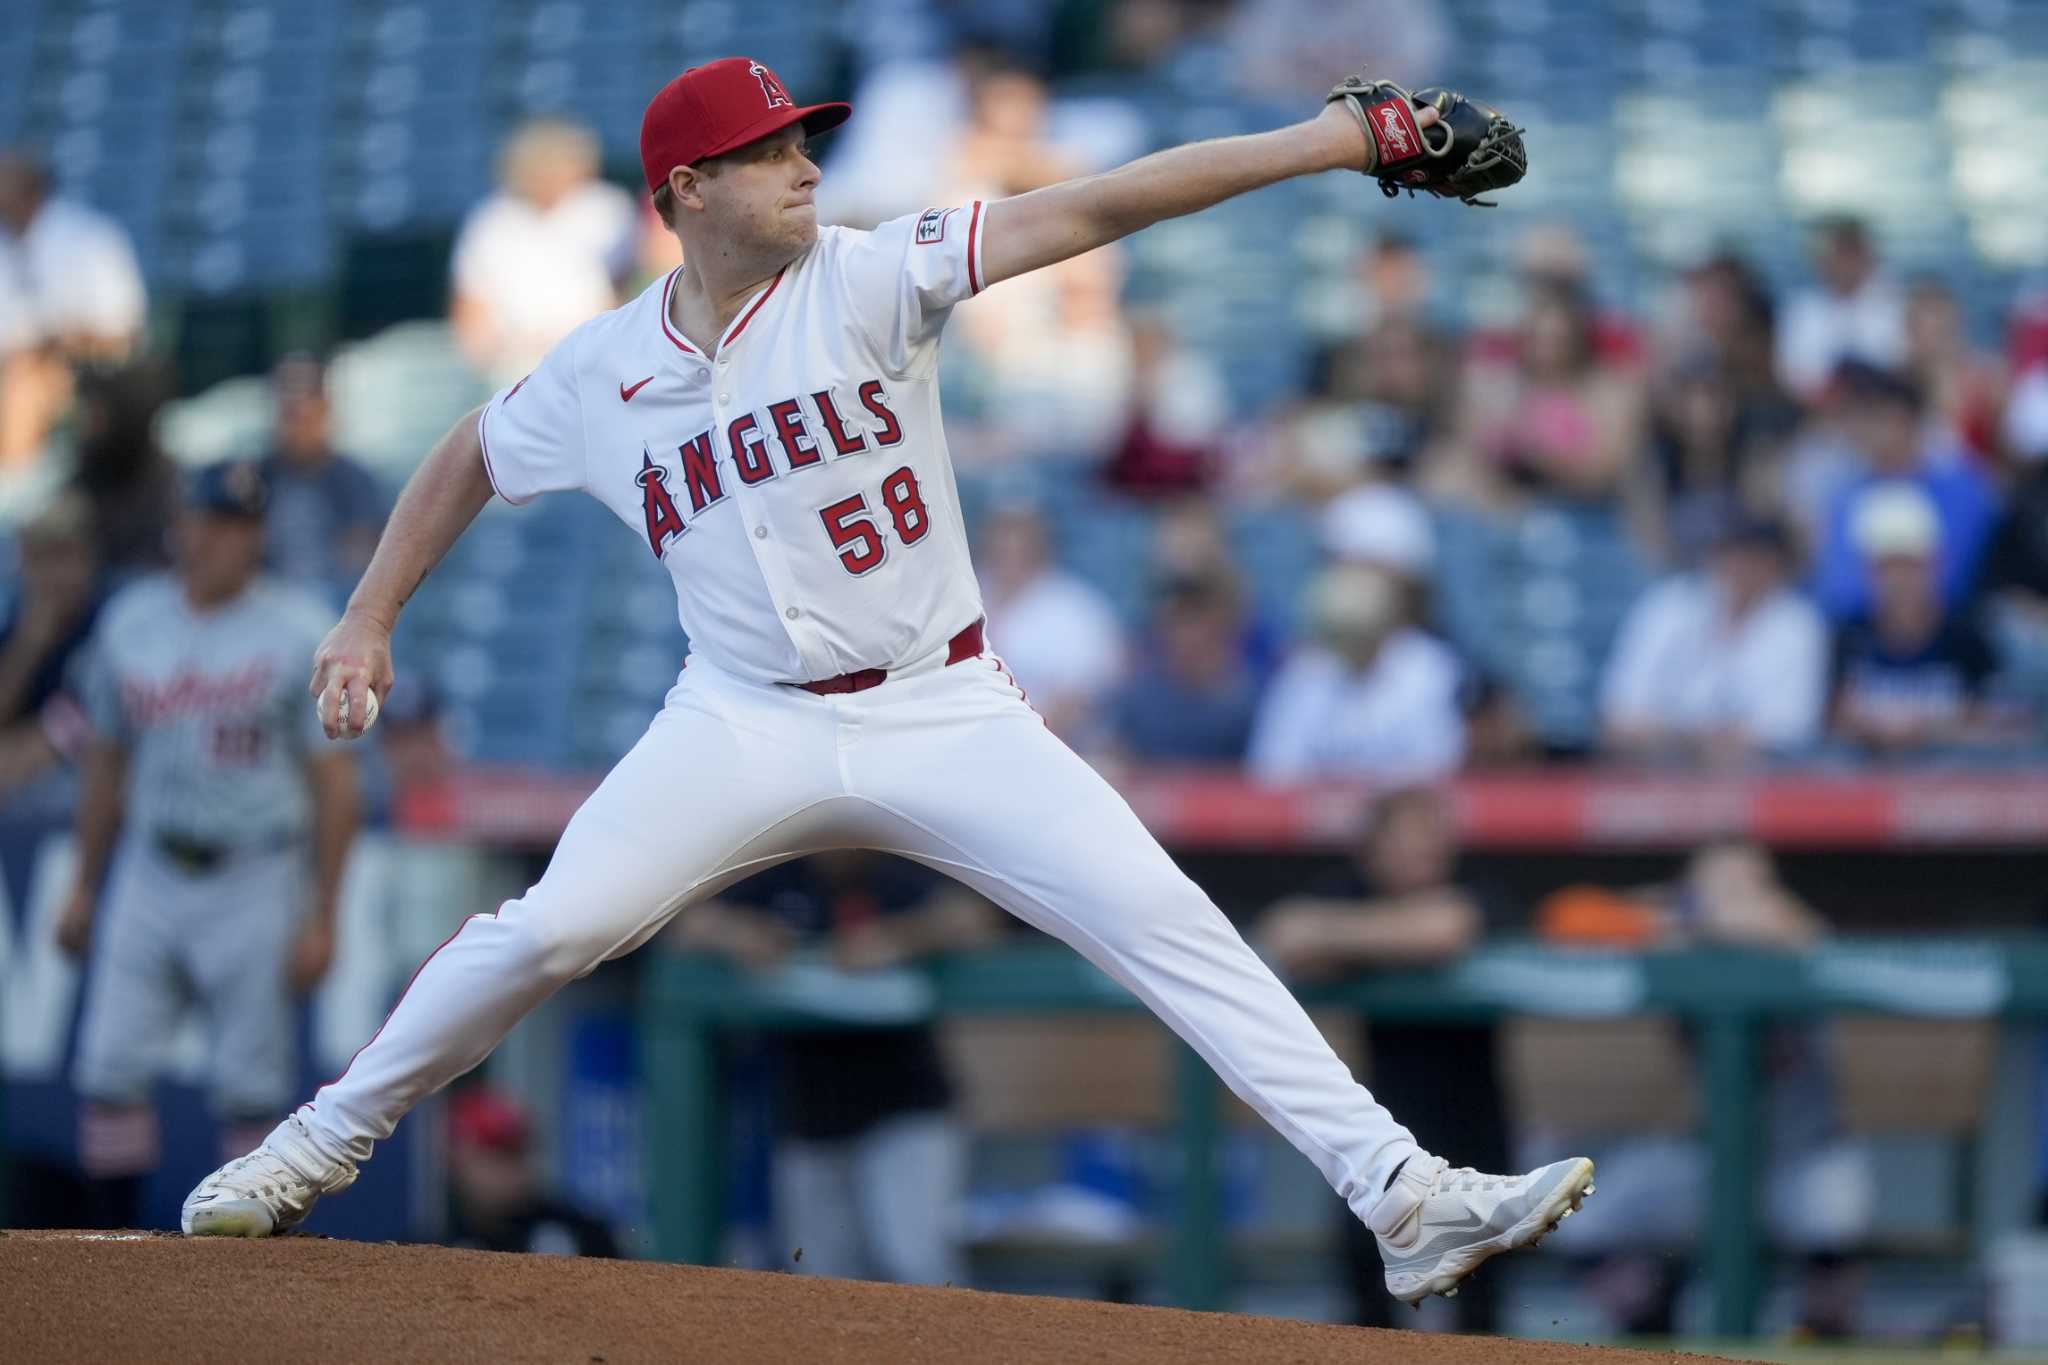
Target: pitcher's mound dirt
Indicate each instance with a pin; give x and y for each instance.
(69, 1296)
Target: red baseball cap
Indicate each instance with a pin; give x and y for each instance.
(713, 108)
(481, 1117)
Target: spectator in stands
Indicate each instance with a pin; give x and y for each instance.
(1882, 411)
(1057, 635)
(1191, 540)
(547, 251)
(1395, 279)
(56, 601)
(1171, 442)
(1965, 387)
(501, 1201)
(70, 293)
(1400, 904)
(1046, 369)
(1732, 325)
(1191, 696)
(1051, 365)
(1820, 1190)
(1376, 405)
(917, 109)
(1721, 421)
(1910, 675)
(1554, 422)
(1555, 255)
(1721, 664)
(2016, 568)
(1707, 466)
(1369, 698)
(326, 510)
(131, 484)
(1856, 313)
(1005, 147)
(870, 1166)
(1386, 527)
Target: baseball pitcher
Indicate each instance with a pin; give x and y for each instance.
(766, 420)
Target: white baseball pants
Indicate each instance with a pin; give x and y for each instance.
(946, 765)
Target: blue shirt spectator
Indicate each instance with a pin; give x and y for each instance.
(1910, 675)
(1883, 416)
(1191, 696)
(326, 511)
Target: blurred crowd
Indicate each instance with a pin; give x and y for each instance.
(1834, 496)
(1833, 491)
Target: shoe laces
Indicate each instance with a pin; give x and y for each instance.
(261, 1172)
(1466, 1178)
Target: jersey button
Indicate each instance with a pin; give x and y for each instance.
(725, 398)
(760, 533)
(792, 613)
(706, 374)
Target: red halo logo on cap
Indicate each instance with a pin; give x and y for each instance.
(770, 86)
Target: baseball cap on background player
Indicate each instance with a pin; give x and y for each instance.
(715, 108)
(233, 488)
(481, 1117)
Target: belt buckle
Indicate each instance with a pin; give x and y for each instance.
(190, 855)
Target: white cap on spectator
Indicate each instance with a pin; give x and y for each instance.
(1895, 519)
(1377, 523)
(2026, 416)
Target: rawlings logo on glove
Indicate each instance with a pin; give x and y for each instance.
(1395, 131)
(1469, 150)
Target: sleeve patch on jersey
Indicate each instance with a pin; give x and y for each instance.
(931, 226)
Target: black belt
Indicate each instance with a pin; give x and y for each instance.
(196, 857)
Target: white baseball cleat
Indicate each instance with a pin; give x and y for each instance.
(269, 1191)
(1437, 1223)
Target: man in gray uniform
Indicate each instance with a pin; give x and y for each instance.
(213, 823)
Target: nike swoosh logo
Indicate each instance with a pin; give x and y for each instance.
(1472, 1220)
(626, 394)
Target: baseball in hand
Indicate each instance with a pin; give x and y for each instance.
(369, 710)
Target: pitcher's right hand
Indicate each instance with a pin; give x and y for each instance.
(353, 661)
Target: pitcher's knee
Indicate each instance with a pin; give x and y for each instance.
(559, 946)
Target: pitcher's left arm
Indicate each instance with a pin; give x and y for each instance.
(1050, 225)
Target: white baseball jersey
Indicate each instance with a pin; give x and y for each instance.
(795, 482)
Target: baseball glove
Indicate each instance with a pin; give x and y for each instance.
(1471, 149)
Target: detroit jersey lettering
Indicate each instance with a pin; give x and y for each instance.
(795, 481)
(211, 706)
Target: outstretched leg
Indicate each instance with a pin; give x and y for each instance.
(979, 788)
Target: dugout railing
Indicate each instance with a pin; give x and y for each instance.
(1727, 996)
